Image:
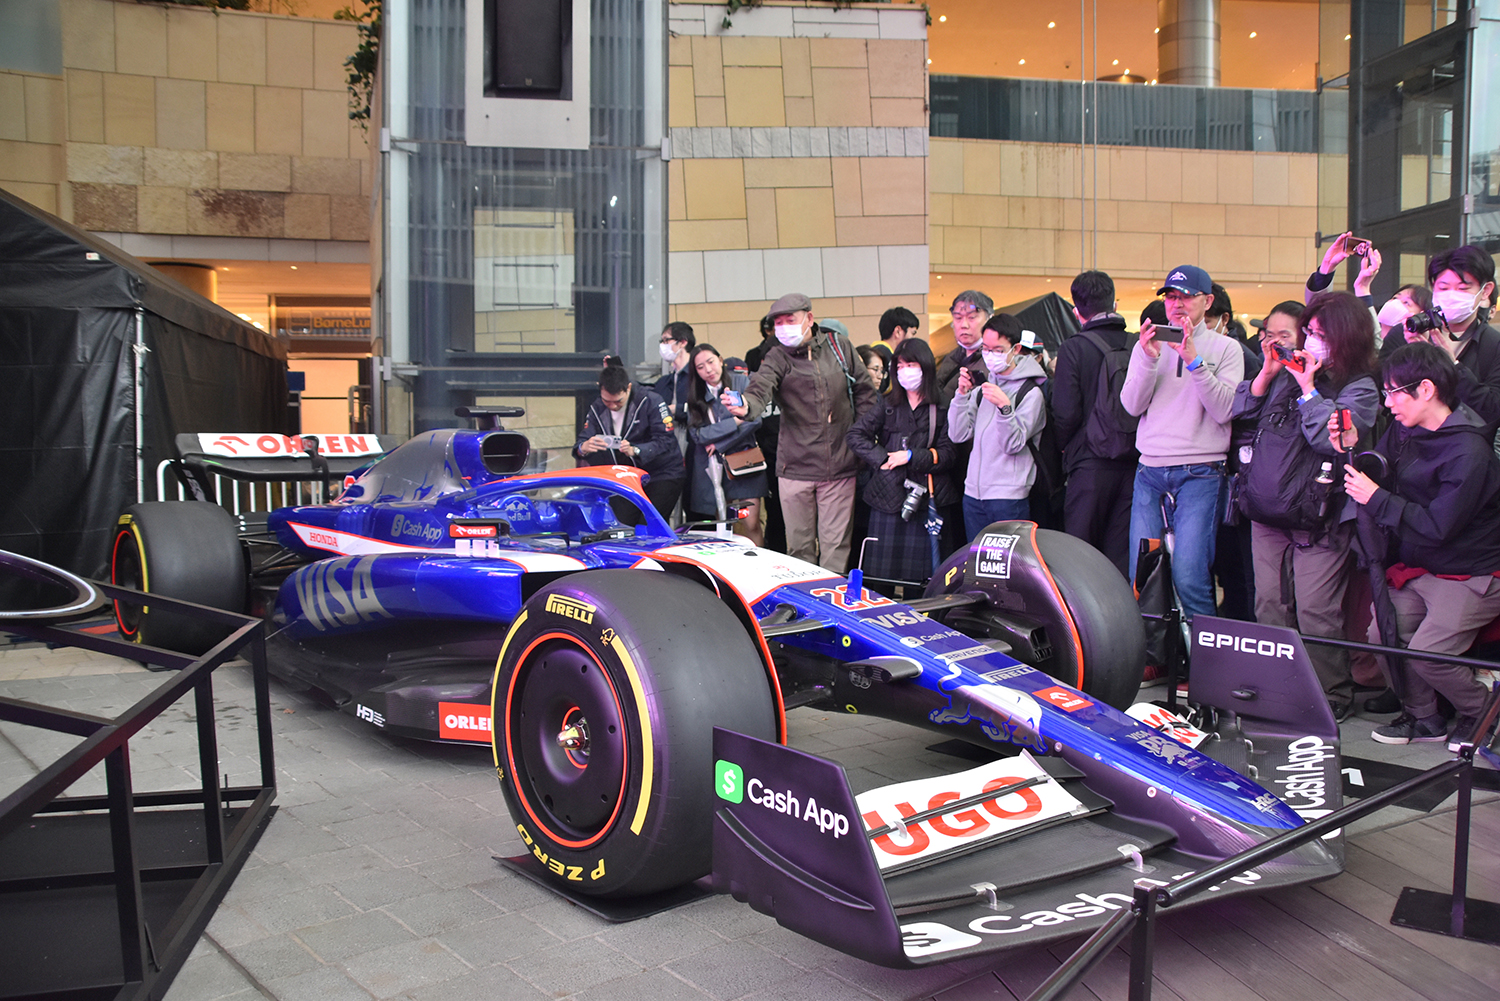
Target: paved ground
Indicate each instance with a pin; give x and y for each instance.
(376, 878)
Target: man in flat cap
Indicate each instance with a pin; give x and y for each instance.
(1181, 384)
(817, 379)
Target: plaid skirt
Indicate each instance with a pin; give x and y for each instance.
(898, 550)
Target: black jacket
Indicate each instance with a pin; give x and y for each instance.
(647, 426)
(950, 365)
(1444, 506)
(891, 426)
(1075, 386)
(673, 389)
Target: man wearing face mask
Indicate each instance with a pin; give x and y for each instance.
(1463, 288)
(817, 379)
(677, 343)
(971, 310)
(1182, 390)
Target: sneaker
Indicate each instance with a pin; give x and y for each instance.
(1463, 732)
(1407, 729)
(1341, 710)
(1385, 702)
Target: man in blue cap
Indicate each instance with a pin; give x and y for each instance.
(1181, 385)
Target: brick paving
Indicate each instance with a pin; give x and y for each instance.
(376, 878)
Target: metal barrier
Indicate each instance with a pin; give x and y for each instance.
(1455, 914)
(80, 870)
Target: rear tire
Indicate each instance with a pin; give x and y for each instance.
(644, 665)
(179, 549)
(1102, 607)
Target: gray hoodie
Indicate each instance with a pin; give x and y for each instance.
(1000, 467)
(1184, 414)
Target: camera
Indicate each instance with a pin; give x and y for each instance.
(914, 494)
(1425, 320)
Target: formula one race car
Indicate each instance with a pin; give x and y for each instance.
(634, 683)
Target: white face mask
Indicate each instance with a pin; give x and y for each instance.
(789, 334)
(668, 350)
(909, 378)
(1393, 313)
(1315, 346)
(997, 361)
(1456, 304)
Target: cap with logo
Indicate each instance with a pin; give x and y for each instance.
(1030, 341)
(792, 302)
(1189, 279)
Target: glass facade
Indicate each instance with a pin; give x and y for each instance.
(524, 266)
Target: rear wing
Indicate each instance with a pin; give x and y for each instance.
(234, 469)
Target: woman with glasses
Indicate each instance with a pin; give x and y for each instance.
(1319, 362)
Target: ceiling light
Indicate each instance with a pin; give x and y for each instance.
(1115, 63)
(1156, 31)
(942, 17)
(294, 267)
(1346, 38)
(1252, 34)
(1127, 71)
(1051, 24)
(1023, 62)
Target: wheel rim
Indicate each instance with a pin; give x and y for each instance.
(125, 571)
(573, 792)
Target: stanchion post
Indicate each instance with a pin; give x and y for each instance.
(1461, 844)
(1143, 942)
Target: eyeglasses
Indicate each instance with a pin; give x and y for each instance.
(1386, 394)
(1175, 296)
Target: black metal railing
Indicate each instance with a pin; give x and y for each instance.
(1413, 910)
(1067, 111)
(212, 841)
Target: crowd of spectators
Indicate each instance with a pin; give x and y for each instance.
(1264, 459)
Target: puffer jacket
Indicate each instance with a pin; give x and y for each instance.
(813, 391)
(1001, 466)
(892, 426)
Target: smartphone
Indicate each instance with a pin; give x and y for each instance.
(611, 440)
(735, 399)
(1356, 246)
(1286, 357)
(1167, 332)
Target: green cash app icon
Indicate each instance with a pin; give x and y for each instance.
(729, 781)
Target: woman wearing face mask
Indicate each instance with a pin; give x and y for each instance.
(713, 432)
(1001, 410)
(1299, 543)
(1408, 300)
(904, 440)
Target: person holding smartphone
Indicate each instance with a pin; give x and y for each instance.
(1182, 386)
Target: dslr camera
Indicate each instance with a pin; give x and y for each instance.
(914, 494)
(1425, 320)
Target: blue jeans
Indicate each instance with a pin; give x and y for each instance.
(980, 514)
(1196, 490)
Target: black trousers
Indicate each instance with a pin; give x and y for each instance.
(1096, 508)
(663, 495)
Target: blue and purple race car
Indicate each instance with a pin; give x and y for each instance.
(634, 681)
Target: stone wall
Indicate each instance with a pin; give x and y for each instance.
(199, 122)
(799, 163)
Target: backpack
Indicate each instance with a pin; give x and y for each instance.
(1047, 492)
(1276, 486)
(1110, 428)
(843, 359)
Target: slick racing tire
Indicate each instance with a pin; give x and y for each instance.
(1099, 602)
(180, 549)
(631, 669)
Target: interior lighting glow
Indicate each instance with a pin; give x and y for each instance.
(942, 17)
(1051, 24)
(1023, 62)
(1252, 34)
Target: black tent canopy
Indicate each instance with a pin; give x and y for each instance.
(105, 360)
(1050, 316)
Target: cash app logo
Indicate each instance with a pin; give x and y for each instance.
(729, 781)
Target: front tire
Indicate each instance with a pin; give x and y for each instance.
(1100, 606)
(635, 668)
(179, 549)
